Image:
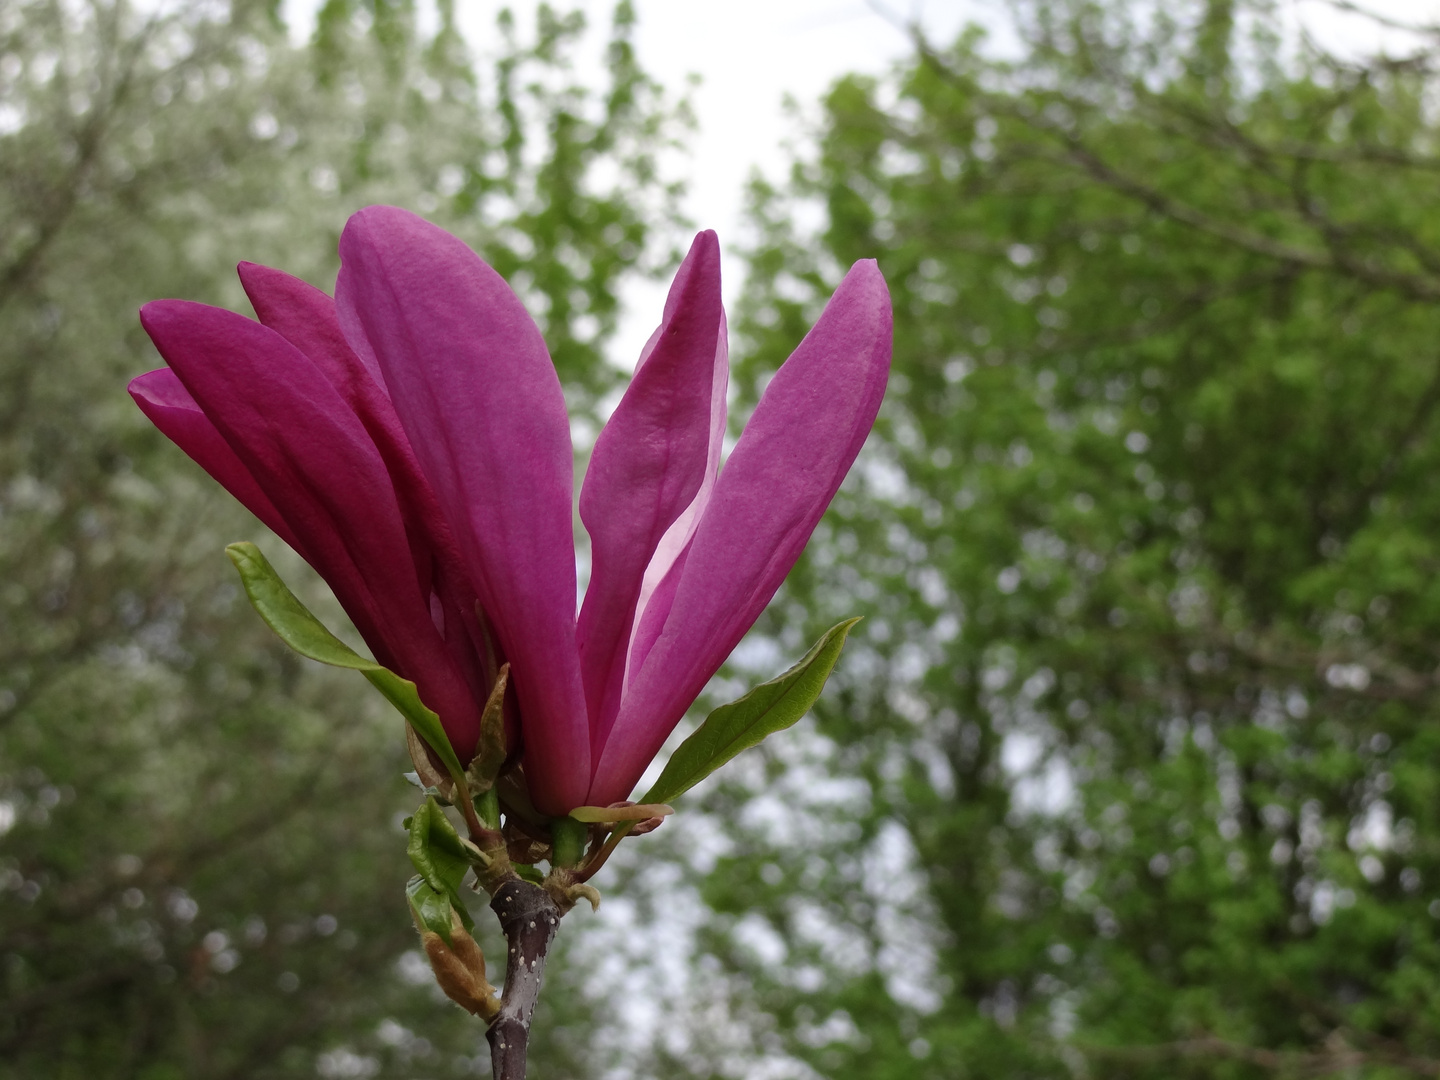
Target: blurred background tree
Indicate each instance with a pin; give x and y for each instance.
(1132, 769)
(201, 870)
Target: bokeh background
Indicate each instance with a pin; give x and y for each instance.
(1133, 769)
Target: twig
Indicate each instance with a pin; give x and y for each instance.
(529, 918)
(1335, 259)
(1339, 1058)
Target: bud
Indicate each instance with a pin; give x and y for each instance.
(460, 969)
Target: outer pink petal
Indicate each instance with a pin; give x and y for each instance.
(786, 467)
(478, 396)
(307, 318)
(169, 406)
(647, 466)
(657, 591)
(315, 461)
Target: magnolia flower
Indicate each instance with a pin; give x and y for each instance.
(409, 440)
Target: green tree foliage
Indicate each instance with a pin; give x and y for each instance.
(1133, 769)
(201, 867)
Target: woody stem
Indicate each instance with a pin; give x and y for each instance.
(529, 918)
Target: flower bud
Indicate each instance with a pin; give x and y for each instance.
(460, 970)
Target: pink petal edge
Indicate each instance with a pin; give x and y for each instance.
(647, 467)
(787, 465)
(479, 399)
(315, 462)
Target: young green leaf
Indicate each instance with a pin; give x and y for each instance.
(768, 708)
(437, 853)
(293, 622)
(431, 906)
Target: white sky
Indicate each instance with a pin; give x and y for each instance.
(750, 54)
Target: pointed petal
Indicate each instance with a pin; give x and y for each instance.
(796, 449)
(480, 402)
(169, 406)
(657, 590)
(316, 463)
(307, 318)
(647, 467)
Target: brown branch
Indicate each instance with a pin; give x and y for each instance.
(529, 918)
(1217, 130)
(1257, 243)
(1400, 447)
(1329, 1062)
(89, 141)
(1335, 260)
(1391, 680)
(69, 990)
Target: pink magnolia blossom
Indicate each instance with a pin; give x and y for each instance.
(409, 439)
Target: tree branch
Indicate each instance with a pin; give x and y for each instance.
(1339, 1059)
(529, 918)
(1336, 259)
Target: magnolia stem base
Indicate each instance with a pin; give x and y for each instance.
(529, 918)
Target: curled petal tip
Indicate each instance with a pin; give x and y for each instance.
(649, 464)
(154, 311)
(379, 219)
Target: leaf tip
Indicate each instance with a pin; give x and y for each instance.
(242, 551)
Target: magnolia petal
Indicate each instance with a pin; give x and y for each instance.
(310, 454)
(646, 469)
(169, 406)
(479, 399)
(308, 319)
(653, 606)
(789, 462)
(651, 620)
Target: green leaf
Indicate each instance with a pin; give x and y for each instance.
(432, 907)
(487, 808)
(768, 708)
(435, 847)
(293, 622)
(439, 856)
